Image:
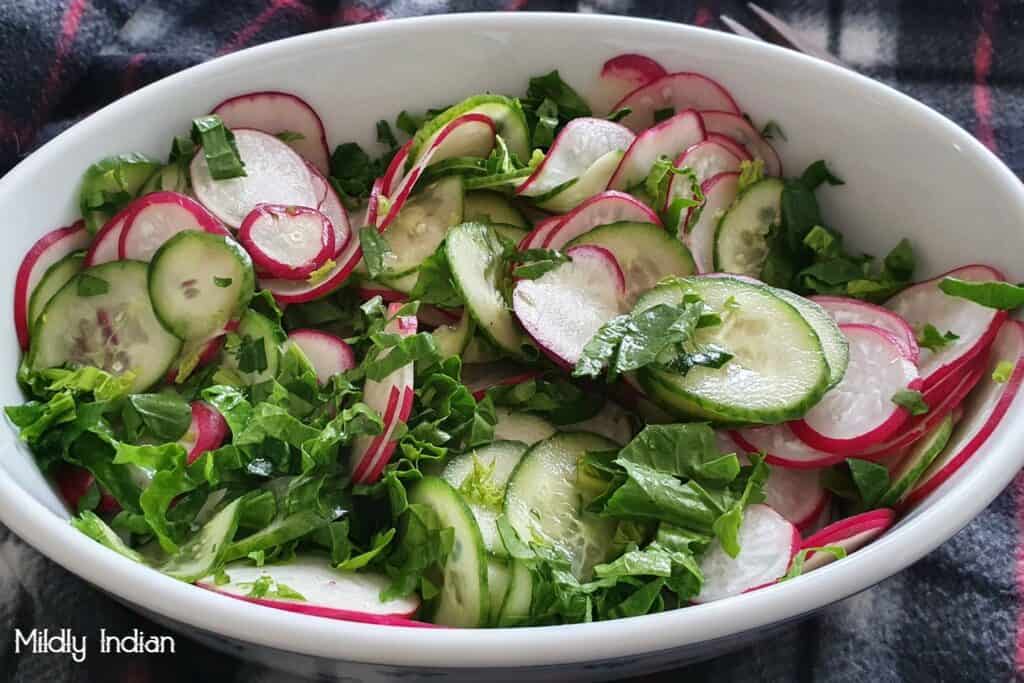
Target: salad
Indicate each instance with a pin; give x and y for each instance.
(551, 359)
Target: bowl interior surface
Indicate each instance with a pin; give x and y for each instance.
(908, 171)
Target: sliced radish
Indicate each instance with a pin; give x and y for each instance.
(206, 432)
(328, 592)
(733, 125)
(74, 482)
(622, 75)
(797, 495)
(845, 310)
(738, 150)
(581, 143)
(274, 174)
(396, 169)
(601, 209)
(536, 238)
(332, 207)
(288, 242)
(320, 184)
(678, 92)
(434, 316)
(767, 544)
(850, 534)
(983, 410)
(782, 447)
(670, 138)
(719, 193)
(478, 379)
(975, 325)
(562, 309)
(859, 411)
(368, 289)
(48, 249)
(159, 216)
(107, 242)
(276, 113)
(329, 355)
(706, 159)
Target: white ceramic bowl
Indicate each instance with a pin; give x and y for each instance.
(909, 172)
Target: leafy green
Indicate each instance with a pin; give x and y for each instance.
(772, 129)
(796, 567)
(219, 147)
(434, 283)
(87, 285)
(657, 182)
(165, 416)
(110, 184)
(376, 250)
(479, 486)
(871, 480)
(534, 263)
(664, 114)
(1003, 370)
(991, 294)
(929, 337)
(95, 528)
(911, 400)
(682, 450)
(551, 87)
(289, 136)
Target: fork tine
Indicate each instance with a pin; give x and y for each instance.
(738, 28)
(791, 36)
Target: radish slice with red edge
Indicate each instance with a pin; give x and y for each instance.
(983, 411)
(367, 289)
(782, 448)
(320, 184)
(210, 352)
(733, 125)
(326, 592)
(767, 544)
(706, 159)
(845, 311)
(850, 534)
(622, 75)
(975, 325)
(738, 150)
(107, 242)
(719, 193)
(159, 216)
(48, 249)
(479, 379)
(74, 483)
(563, 308)
(582, 142)
(601, 209)
(328, 354)
(276, 113)
(274, 174)
(678, 92)
(395, 171)
(797, 495)
(670, 138)
(332, 207)
(535, 238)
(288, 242)
(859, 411)
(206, 432)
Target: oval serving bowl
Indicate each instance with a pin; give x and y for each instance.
(909, 172)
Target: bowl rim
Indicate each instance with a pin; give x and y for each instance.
(537, 646)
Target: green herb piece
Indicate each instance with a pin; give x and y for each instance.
(166, 416)
(536, 262)
(251, 354)
(991, 294)
(219, 148)
(1003, 371)
(871, 480)
(222, 281)
(911, 400)
(434, 283)
(796, 568)
(289, 136)
(619, 114)
(479, 487)
(407, 123)
(110, 184)
(376, 250)
(750, 173)
(664, 114)
(930, 338)
(90, 285)
(772, 130)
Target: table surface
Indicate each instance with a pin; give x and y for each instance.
(952, 616)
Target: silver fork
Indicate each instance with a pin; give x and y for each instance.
(780, 33)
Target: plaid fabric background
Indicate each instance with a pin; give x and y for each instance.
(954, 616)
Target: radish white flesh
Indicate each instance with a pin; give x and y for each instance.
(846, 311)
(50, 248)
(622, 75)
(279, 112)
(983, 410)
(562, 309)
(602, 209)
(581, 143)
(670, 138)
(850, 534)
(206, 432)
(540, 233)
(107, 242)
(288, 242)
(159, 216)
(859, 411)
(319, 184)
(330, 205)
(706, 159)
(328, 592)
(738, 150)
(274, 174)
(975, 325)
(781, 447)
(733, 125)
(797, 495)
(328, 354)
(719, 194)
(767, 544)
(677, 91)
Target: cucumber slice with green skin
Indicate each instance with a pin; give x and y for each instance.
(421, 225)
(741, 244)
(916, 462)
(402, 283)
(506, 113)
(519, 596)
(464, 598)
(524, 427)
(452, 339)
(103, 317)
(257, 326)
(475, 256)
(485, 206)
(198, 281)
(502, 456)
(646, 253)
(480, 350)
(778, 370)
(833, 341)
(207, 548)
(56, 276)
(544, 501)
(499, 575)
(513, 233)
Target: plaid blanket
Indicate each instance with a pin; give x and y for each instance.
(952, 616)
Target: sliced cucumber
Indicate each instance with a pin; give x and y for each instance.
(499, 574)
(519, 426)
(506, 113)
(513, 233)
(55, 277)
(646, 253)
(258, 327)
(103, 317)
(519, 596)
(403, 284)
(498, 458)
(464, 599)
(480, 350)
(487, 206)
(545, 503)
(916, 462)
(452, 340)
(592, 181)
(833, 341)
(421, 225)
(475, 257)
(741, 244)
(207, 548)
(198, 281)
(778, 369)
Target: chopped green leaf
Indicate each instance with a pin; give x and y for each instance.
(536, 262)
(480, 488)
(376, 250)
(290, 136)
(991, 294)
(222, 282)
(619, 114)
(750, 173)
(910, 400)
(664, 114)
(796, 568)
(930, 338)
(772, 130)
(870, 478)
(1003, 371)
(91, 285)
(219, 148)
